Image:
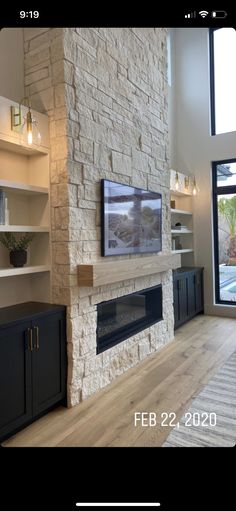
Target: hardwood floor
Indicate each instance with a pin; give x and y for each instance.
(165, 382)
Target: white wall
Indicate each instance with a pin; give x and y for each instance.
(195, 147)
(12, 63)
(171, 96)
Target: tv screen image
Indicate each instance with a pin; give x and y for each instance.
(131, 219)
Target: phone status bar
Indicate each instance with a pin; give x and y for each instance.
(204, 14)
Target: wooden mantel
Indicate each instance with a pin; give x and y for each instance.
(107, 272)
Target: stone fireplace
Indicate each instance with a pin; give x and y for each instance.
(119, 319)
(105, 92)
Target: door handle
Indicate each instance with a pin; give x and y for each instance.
(36, 329)
(30, 337)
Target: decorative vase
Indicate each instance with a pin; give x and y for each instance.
(18, 258)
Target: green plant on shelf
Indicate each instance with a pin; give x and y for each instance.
(17, 241)
(17, 245)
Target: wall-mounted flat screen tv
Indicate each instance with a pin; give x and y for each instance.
(131, 220)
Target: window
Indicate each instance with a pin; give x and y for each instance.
(223, 80)
(224, 209)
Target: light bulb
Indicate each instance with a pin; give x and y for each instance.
(29, 137)
(194, 187)
(27, 128)
(29, 125)
(176, 181)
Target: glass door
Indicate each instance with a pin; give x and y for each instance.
(224, 209)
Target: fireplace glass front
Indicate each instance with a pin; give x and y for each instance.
(125, 316)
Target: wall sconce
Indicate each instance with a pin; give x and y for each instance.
(28, 124)
(176, 181)
(186, 182)
(195, 187)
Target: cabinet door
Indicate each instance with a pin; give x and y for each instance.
(176, 301)
(48, 361)
(15, 377)
(180, 300)
(199, 290)
(183, 303)
(191, 294)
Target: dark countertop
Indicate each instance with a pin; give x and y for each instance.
(187, 269)
(25, 311)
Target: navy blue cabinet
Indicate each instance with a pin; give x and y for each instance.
(32, 363)
(187, 294)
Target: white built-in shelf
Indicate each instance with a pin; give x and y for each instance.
(12, 272)
(182, 251)
(181, 231)
(176, 211)
(9, 143)
(180, 194)
(24, 177)
(182, 199)
(22, 187)
(24, 228)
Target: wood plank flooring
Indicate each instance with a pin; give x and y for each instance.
(167, 381)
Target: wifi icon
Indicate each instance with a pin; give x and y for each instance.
(203, 14)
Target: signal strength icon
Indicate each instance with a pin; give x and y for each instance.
(191, 15)
(203, 14)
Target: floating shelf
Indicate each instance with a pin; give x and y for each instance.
(12, 272)
(175, 231)
(182, 251)
(23, 188)
(182, 194)
(100, 274)
(180, 212)
(24, 228)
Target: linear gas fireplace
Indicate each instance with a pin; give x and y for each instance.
(125, 316)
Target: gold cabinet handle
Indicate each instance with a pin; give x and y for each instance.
(36, 329)
(30, 336)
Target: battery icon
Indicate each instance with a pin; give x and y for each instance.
(219, 14)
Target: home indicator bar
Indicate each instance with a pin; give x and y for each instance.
(118, 504)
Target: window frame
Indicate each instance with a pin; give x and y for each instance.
(219, 190)
(212, 82)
